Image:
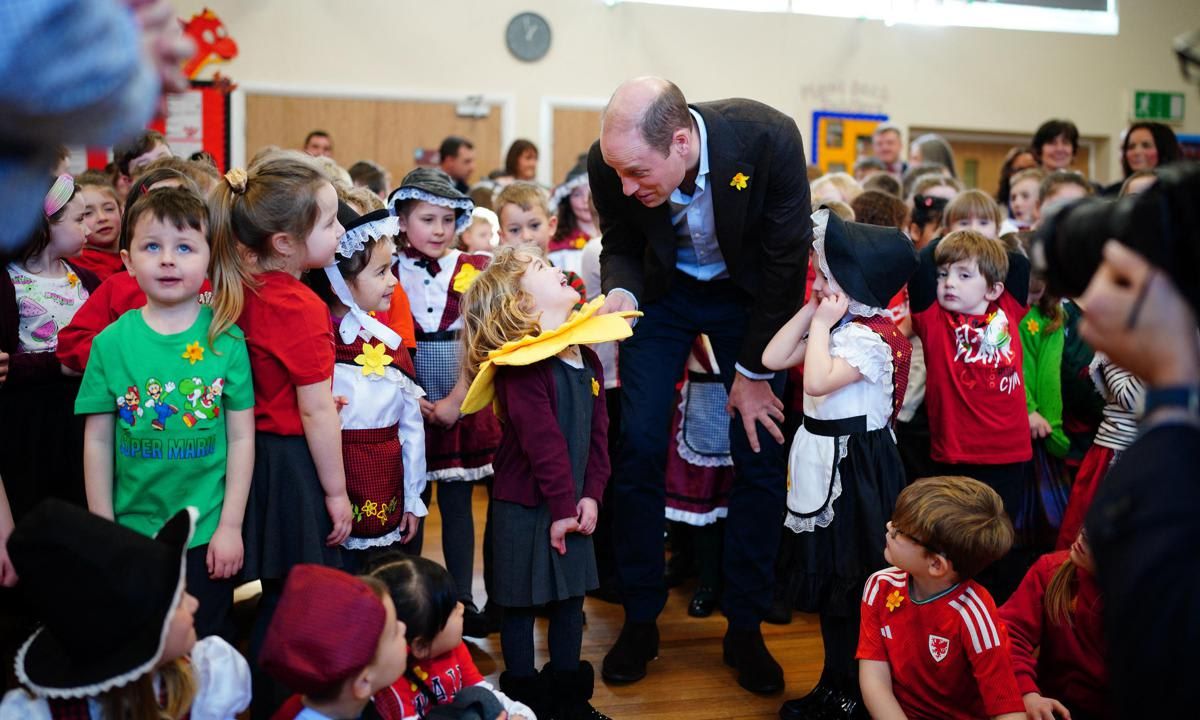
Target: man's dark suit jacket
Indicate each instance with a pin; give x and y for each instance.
(764, 230)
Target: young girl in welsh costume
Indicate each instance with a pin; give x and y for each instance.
(383, 433)
(844, 472)
(458, 452)
(524, 351)
(129, 652)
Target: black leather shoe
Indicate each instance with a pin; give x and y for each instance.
(703, 602)
(636, 646)
(745, 651)
(809, 707)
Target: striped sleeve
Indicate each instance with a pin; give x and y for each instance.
(986, 641)
(879, 585)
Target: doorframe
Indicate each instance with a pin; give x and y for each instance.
(1092, 143)
(507, 103)
(546, 108)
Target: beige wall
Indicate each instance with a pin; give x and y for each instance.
(986, 80)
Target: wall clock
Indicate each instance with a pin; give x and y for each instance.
(528, 36)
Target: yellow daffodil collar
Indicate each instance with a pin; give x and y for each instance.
(584, 327)
(739, 182)
(374, 359)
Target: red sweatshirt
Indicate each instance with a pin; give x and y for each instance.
(1070, 666)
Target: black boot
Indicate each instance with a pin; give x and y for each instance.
(571, 693)
(532, 690)
(636, 646)
(811, 706)
(745, 651)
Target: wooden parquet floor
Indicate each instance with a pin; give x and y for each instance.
(688, 680)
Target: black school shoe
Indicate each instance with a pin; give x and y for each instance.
(636, 646)
(745, 651)
(703, 602)
(825, 703)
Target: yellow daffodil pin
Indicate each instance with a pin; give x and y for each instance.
(739, 181)
(374, 359)
(894, 600)
(579, 243)
(466, 275)
(72, 279)
(193, 353)
(595, 388)
(1032, 325)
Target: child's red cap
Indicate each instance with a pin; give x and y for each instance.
(325, 629)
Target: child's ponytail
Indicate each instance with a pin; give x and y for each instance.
(278, 194)
(1059, 599)
(227, 270)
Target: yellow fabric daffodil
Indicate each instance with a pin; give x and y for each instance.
(739, 181)
(584, 327)
(72, 279)
(1032, 325)
(466, 275)
(193, 353)
(595, 388)
(894, 600)
(374, 359)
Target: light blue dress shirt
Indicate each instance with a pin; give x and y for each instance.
(698, 254)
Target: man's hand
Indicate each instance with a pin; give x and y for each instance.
(164, 45)
(1136, 316)
(618, 302)
(757, 404)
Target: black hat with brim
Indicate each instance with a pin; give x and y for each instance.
(106, 595)
(433, 186)
(870, 263)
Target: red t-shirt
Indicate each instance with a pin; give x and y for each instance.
(291, 344)
(102, 264)
(948, 656)
(445, 676)
(975, 391)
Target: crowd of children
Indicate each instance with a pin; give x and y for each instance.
(263, 375)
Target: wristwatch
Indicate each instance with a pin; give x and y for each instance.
(1183, 397)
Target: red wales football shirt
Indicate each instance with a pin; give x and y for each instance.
(948, 655)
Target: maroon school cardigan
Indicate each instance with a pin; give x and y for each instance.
(27, 367)
(532, 465)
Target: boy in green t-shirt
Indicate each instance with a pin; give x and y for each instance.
(170, 410)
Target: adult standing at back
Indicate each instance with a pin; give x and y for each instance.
(704, 210)
(886, 145)
(457, 159)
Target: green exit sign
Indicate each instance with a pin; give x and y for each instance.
(1165, 106)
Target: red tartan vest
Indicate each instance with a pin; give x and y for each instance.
(902, 350)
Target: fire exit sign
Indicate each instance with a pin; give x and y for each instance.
(1165, 106)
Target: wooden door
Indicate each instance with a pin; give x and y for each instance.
(574, 132)
(979, 163)
(387, 132)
